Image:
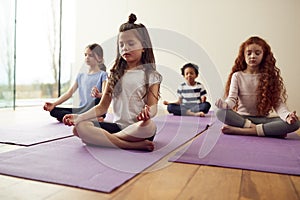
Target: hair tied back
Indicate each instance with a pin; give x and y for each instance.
(132, 18)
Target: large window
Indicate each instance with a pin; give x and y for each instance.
(34, 49)
(7, 16)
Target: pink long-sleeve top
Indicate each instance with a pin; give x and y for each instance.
(243, 89)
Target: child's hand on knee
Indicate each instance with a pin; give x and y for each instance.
(292, 118)
(144, 115)
(221, 104)
(69, 119)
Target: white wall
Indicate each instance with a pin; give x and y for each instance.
(215, 26)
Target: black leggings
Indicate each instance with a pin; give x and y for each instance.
(113, 128)
(60, 112)
(182, 109)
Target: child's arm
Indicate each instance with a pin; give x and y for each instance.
(232, 97)
(96, 111)
(150, 109)
(49, 106)
(179, 100)
(95, 91)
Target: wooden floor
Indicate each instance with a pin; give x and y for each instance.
(165, 180)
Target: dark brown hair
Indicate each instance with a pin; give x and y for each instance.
(147, 59)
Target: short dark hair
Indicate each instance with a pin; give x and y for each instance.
(195, 67)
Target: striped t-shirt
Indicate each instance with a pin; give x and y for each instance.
(191, 94)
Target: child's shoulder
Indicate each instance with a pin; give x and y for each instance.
(155, 76)
(239, 74)
(196, 83)
(101, 72)
(245, 74)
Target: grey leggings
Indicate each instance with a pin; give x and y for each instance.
(274, 126)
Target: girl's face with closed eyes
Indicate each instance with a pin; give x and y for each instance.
(130, 48)
(253, 55)
(91, 58)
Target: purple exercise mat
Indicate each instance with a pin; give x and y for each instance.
(70, 162)
(243, 152)
(34, 126)
(31, 127)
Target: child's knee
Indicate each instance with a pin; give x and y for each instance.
(208, 106)
(75, 132)
(80, 129)
(170, 108)
(221, 114)
(295, 126)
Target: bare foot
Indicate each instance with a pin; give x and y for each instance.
(196, 114)
(226, 129)
(145, 145)
(149, 145)
(201, 114)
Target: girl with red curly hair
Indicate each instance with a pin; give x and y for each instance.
(254, 89)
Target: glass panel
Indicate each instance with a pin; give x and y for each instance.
(67, 45)
(7, 19)
(67, 52)
(37, 48)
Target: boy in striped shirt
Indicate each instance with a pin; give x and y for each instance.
(191, 95)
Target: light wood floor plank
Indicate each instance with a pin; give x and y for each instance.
(166, 183)
(296, 182)
(260, 185)
(213, 183)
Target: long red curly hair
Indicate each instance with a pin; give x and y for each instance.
(271, 90)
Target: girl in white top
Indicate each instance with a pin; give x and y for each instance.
(133, 87)
(254, 89)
